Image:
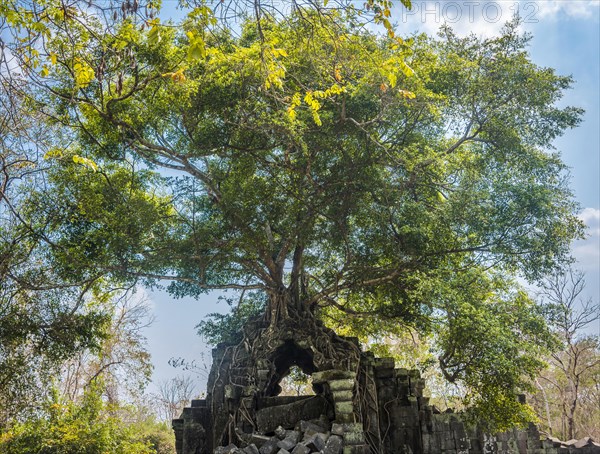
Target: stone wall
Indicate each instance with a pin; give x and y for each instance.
(365, 406)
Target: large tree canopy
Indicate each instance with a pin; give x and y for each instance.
(338, 172)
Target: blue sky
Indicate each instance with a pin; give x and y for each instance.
(566, 36)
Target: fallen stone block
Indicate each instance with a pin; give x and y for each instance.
(287, 443)
(301, 449)
(287, 416)
(294, 435)
(314, 443)
(306, 426)
(587, 441)
(251, 449)
(258, 439)
(229, 449)
(280, 432)
(334, 445)
(270, 446)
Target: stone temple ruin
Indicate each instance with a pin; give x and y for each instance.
(362, 404)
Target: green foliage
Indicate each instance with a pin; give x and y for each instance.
(492, 340)
(371, 178)
(45, 319)
(86, 427)
(296, 383)
(228, 328)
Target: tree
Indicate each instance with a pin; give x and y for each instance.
(121, 362)
(44, 319)
(305, 160)
(569, 386)
(173, 395)
(83, 425)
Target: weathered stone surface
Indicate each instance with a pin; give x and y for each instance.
(342, 428)
(345, 418)
(314, 443)
(344, 407)
(354, 438)
(328, 375)
(229, 449)
(251, 449)
(287, 443)
(288, 415)
(341, 385)
(359, 450)
(587, 441)
(280, 432)
(265, 402)
(301, 449)
(270, 446)
(294, 435)
(384, 363)
(343, 395)
(306, 426)
(396, 418)
(334, 445)
(258, 439)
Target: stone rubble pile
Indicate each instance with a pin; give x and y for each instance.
(307, 437)
(583, 445)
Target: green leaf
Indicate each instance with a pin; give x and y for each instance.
(196, 49)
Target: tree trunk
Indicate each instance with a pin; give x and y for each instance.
(573, 407)
(285, 303)
(546, 404)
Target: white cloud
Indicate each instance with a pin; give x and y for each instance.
(483, 18)
(557, 9)
(587, 251)
(591, 218)
(486, 18)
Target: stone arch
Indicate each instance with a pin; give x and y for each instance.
(283, 358)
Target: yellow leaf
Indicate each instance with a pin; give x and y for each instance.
(338, 74)
(291, 113)
(407, 94)
(83, 73)
(296, 99)
(407, 70)
(53, 58)
(53, 153)
(85, 162)
(393, 79)
(176, 76)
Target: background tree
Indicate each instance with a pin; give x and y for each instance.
(88, 424)
(122, 362)
(567, 396)
(45, 319)
(303, 159)
(173, 395)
